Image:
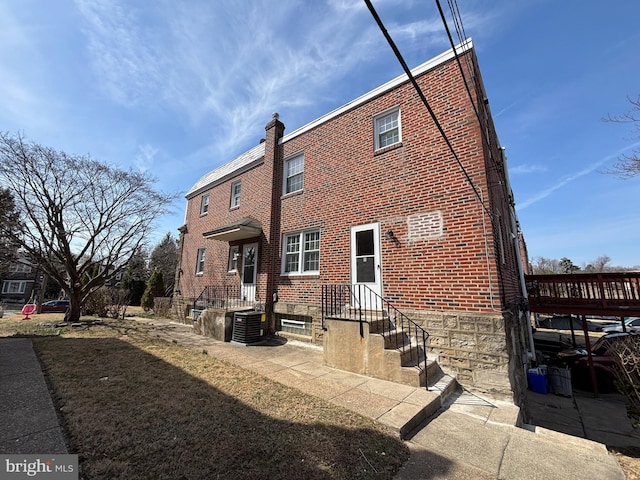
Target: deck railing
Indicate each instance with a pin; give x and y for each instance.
(585, 293)
(361, 304)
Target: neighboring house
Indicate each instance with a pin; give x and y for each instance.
(21, 281)
(370, 195)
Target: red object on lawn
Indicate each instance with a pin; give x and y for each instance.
(29, 309)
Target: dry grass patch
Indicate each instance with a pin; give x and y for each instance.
(137, 407)
(629, 460)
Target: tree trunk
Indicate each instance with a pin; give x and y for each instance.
(72, 315)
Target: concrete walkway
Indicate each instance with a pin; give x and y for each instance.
(473, 437)
(28, 420)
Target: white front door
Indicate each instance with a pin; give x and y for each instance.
(249, 271)
(365, 265)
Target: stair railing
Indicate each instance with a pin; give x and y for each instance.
(224, 297)
(361, 304)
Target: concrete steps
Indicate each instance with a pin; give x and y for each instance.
(402, 361)
(381, 349)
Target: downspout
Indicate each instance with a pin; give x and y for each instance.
(523, 285)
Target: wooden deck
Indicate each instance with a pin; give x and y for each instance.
(605, 294)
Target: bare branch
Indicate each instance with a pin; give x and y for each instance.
(627, 165)
(80, 219)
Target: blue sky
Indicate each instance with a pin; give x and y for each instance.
(178, 88)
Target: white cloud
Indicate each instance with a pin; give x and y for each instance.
(123, 54)
(557, 186)
(527, 168)
(570, 178)
(144, 160)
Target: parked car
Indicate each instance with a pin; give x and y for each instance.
(564, 322)
(632, 324)
(603, 362)
(55, 306)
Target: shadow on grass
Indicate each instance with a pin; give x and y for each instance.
(130, 414)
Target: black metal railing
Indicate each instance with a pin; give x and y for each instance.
(224, 297)
(358, 303)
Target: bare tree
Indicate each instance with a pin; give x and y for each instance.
(628, 165)
(8, 222)
(600, 264)
(80, 219)
(545, 266)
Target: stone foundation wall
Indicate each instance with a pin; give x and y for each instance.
(312, 311)
(481, 350)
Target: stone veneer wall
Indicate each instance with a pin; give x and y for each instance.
(180, 309)
(477, 350)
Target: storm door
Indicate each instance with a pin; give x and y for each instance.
(365, 265)
(249, 271)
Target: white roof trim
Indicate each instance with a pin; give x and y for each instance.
(254, 157)
(428, 65)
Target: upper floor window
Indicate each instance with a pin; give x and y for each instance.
(387, 129)
(19, 268)
(234, 254)
(235, 194)
(301, 253)
(293, 173)
(200, 261)
(204, 204)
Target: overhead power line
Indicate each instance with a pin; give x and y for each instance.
(457, 20)
(425, 102)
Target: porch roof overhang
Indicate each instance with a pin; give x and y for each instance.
(240, 230)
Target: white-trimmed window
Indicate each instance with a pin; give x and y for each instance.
(14, 286)
(200, 261)
(301, 253)
(234, 254)
(204, 204)
(19, 268)
(387, 128)
(235, 194)
(293, 174)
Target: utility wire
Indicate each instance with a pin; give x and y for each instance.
(459, 28)
(425, 102)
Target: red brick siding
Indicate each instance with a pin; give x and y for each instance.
(346, 184)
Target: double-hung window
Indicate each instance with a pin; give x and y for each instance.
(387, 129)
(293, 173)
(235, 194)
(301, 253)
(204, 204)
(200, 261)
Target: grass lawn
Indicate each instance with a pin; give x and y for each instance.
(137, 407)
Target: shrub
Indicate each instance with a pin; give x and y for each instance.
(626, 354)
(155, 288)
(162, 307)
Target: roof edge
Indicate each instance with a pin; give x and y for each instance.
(428, 65)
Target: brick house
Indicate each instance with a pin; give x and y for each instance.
(370, 195)
(21, 282)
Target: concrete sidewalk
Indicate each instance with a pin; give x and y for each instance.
(28, 420)
(470, 437)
